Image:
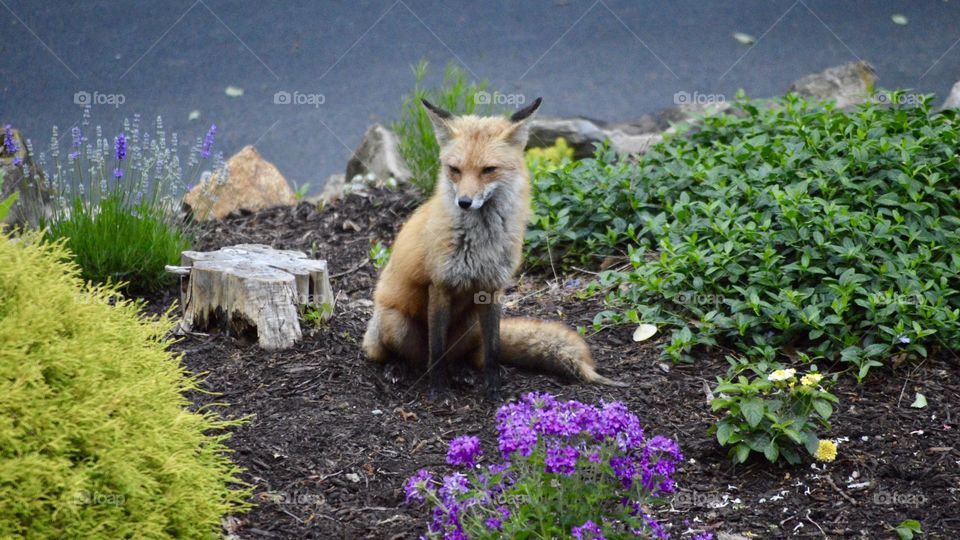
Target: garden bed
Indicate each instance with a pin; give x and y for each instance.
(333, 437)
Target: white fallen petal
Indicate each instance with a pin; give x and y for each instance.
(644, 332)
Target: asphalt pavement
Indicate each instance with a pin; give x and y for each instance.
(314, 75)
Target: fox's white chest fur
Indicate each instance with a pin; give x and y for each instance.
(483, 242)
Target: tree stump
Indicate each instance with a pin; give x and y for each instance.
(252, 289)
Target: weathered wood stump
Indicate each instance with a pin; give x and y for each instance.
(252, 288)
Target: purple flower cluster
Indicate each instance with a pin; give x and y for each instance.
(10, 145)
(464, 451)
(588, 531)
(589, 449)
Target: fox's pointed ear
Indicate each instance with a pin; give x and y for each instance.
(519, 132)
(440, 120)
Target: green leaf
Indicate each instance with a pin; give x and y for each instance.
(741, 453)
(7, 203)
(752, 410)
(772, 452)
(823, 408)
(724, 431)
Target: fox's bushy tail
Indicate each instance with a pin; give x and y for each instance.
(549, 346)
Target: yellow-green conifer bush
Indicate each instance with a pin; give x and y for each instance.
(96, 440)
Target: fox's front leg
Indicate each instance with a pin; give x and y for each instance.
(438, 322)
(490, 328)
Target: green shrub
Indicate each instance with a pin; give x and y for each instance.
(121, 241)
(96, 439)
(784, 229)
(418, 146)
(119, 201)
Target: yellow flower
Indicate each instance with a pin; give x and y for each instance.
(781, 375)
(826, 451)
(811, 379)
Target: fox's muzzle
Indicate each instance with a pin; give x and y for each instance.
(468, 202)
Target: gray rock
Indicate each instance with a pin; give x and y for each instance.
(580, 133)
(333, 189)
(846, 85)
(378, 154)
(35, 201)
(953, 99)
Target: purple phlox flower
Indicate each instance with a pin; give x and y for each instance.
(453, 485)
(120, 144)
(497, 468)
(561, 459)
(594, 457)
(624, 469)
(464, 451)
(516, 435)
(656, 474)
(494, 524)
(616, 421)
(655, 527)
(504, 512)
(567, 419)
(417, 485)
(588, 531)
(208, 141)
(702, 536)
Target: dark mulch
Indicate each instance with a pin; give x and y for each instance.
(333, 437)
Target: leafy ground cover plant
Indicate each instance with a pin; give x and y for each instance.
(793, 232)
(418, 145)
(119, 200)
(773, 413)
(566, 470)
(97, 439)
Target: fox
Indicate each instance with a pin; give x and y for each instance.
(439, 296)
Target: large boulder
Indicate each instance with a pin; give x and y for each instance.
(581, 134)
(379, 155)
(21, 175)
(953, 99)
(252, 183)
(846, 85)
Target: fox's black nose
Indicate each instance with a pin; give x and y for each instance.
(464, 202)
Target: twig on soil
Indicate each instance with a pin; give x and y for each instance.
(585, 271)
(815, 524)
(842, 493)
(351, 270)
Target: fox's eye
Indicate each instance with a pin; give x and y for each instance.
(489, 170)
(454, 170)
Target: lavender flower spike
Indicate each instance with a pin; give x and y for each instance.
(208, 141)
(121, 147)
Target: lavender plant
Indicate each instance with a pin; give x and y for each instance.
(119, 199)
(567, 470)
